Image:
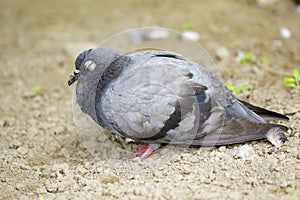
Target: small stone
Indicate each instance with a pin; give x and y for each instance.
(157, 34)
(87, 165)
(179, 177)
(207, 181)
(222, 148)
(285, 32)
(23, 132)
(186, 169)
(190, 35)
(242, 152)
(283, 184)
(222, 53)
(265, 3)
(22, 150)
(24, 167)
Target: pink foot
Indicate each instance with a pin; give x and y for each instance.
(145, 151)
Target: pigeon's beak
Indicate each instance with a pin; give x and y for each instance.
(73, 77)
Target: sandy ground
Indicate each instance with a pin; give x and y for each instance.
(42, 155)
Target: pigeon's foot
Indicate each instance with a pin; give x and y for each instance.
(145, 151)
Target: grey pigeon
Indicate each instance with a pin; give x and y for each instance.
(159, 97)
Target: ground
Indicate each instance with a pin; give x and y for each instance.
(42, 155)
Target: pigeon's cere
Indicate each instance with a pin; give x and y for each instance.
(159, 97)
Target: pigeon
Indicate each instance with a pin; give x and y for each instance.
(159, 97)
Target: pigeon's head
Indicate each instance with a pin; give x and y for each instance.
(92, 60)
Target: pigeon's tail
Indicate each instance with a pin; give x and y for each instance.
(239, 130)
(264, 113)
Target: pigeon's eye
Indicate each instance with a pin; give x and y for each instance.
(90, 65)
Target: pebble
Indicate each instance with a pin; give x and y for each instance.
(190, 35)
(264, 3)
(22, 150)
(23, 132)
(24, 167)
(207, 181)
(222, 53)
(158, 34)
(179, 177)
(285, 32)
(139, 36)
(186, 169)
(242, 152)
(222, 148)
(283, 184)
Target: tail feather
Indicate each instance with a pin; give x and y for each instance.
(264, 113)
(238, 130)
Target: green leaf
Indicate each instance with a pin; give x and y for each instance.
(188, 26)
(238, 90)
(36, 90)
(264, 60)
(230, 88)
(289, 82)
(41, 198)
(244, 59)
(290, 191)
(294, 81)
(245, 87)
(296, 74)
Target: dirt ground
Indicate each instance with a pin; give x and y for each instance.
(42, 155)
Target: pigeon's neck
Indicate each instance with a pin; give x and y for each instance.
(112, 72)
(108, 76)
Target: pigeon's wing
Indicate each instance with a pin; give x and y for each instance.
(218, 126)
(148, 100)
(264, 113)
